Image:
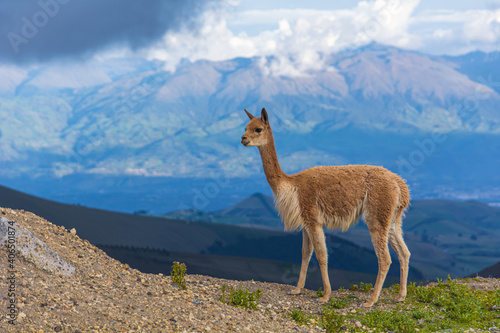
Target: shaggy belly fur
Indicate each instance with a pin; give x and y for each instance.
(286, 200)
(341, 219)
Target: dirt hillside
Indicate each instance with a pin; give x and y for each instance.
(62, 283)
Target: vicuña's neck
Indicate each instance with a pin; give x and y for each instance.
(272, 168)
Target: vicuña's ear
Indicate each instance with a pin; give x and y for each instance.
(264, 117)
(249, 114)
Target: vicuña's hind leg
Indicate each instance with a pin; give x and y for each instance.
(307, 249)
(379, 235)
(318, 240)
(398, 244)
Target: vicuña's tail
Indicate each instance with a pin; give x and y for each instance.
(404, 199)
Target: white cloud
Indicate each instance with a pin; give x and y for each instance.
(483, 26)
(299, 40)
(458, 32)
(442, 34)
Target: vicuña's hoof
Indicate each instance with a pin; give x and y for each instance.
(323, 299)
(399, 299)
(295, 291)
(368, 304)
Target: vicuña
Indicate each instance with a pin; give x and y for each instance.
(335, 197)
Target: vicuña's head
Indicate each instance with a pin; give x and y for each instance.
(258, 130)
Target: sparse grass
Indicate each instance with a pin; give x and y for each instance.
(241, 298)
(319, 293)
(177, 274)
(389, 320)
(446, 305)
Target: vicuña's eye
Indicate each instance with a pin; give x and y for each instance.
(258, 130)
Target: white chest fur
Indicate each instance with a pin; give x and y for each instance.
(286, 200)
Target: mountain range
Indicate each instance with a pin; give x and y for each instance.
(432, 119)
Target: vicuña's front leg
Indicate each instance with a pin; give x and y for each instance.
(307, 248)
(318, 239)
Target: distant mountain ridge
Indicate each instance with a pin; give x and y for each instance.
(258, 205)
(492, 271)
(257, 209)
(146, 121)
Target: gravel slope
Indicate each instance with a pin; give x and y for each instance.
(104, 295)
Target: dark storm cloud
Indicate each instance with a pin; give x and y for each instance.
(42, 30)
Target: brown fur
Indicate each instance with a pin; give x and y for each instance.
(335, 197)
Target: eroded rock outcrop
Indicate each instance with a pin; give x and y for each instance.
(33, 249)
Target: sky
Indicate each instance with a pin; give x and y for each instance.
(298, 35)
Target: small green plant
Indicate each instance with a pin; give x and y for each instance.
(366, 287)
(354, 287)
(341, 289)
(241, 298)
(319, 293)
(425, 295)
(177, 275)
(300, 316)
(338, 303)
(330, 320)
(394, 289)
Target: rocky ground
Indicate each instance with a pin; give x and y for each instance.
(104, 295)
